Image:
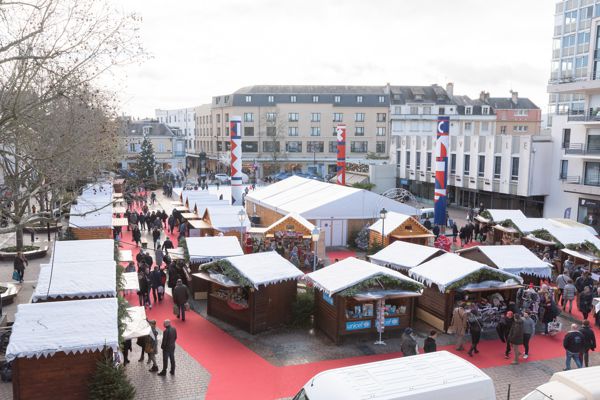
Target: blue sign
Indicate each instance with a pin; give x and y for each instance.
(404, 181)
(327, 298)
(357, 325)
(395, 321)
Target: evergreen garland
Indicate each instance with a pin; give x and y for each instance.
(545, 235)
(224, 267)
(122, 304)
(508, 223)
(486, 214)
(146, 164)
(110, 381)
(381, 282)
(186, 253)
(586, 246)
(478, 276)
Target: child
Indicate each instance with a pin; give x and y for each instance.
(429, 346)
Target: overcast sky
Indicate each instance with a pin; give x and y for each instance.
(204, 48)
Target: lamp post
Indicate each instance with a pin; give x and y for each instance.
(242, 218)
(382, 215)
(315, 239)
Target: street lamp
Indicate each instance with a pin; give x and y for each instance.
(315, 238)
(382, 215)
(242, 218)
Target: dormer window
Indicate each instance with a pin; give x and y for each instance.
(292, 99)
(485, 110)
(248, 99)
(359, 99)
(468, 110)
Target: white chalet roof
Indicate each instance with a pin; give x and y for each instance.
(44, 329)
(226, 217)
(85, 214)
(319, 200)
(82, 251)
(404, 255)
(573, 235)
(499, 215)
(265, 268)
(85, 280)
(392, 221)
(349, 272)
(213, 247)
(516, 259)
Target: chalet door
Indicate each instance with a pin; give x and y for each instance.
(325, 226)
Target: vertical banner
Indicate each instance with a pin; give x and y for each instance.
(442, 145)
(235, 130)
(340, 131)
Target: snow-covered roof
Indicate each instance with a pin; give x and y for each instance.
(301, 220)
(131, 281)
(81, 251)
(136, 324)
(74, 280)
(450, 268)
(572, 223)
(265, 268)
(316, 200)
(90, 215)
(349, 272)
(392, 221)
(499, 215)
(44, 329)
(580, 254)
(98, 192)
(531, 224)
(516, 259)
(404, 255)
(213, 247)
(573, 235)
(226, 217)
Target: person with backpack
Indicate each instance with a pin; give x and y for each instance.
(151, 346)
(474, 327)
(573, 344)
(19, 265)
(589, 342)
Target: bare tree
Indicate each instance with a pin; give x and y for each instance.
(273, 143)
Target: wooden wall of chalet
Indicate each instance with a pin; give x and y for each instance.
(405, 232)
(289, 224)
(61, 376)
(92, 233)
(267, 216)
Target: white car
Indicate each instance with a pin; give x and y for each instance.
(222, 178)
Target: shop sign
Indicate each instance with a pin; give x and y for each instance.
(395, 321)
(589, 203)
(328, 298)
(357, 325)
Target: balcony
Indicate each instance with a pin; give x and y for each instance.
(585, 118)
(575, 184)
(574, 85)
(582, 149)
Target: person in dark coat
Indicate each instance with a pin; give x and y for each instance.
(163, 218)
(144, 287)
(167, 244)
(474, 328)
(585, 301)
(168, 347)
(515, 336)
(589, 342)
(171, 222)
(573, 343)
(429, 345)
(454, 232)
(436, 231)
(19, 265)
(155, 236)
(503, 329)
(427, 224)
(180, 297)
(155, 283)
(137, 236)
(172, 279)
(408, 343)
(148, 259)
(142, 221)
(139, 258)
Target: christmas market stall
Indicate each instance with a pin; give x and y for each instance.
(55, 347)
(61, 281)
(515, 259)
(451, 278)
(207, 249)
(395, 226)
(403, 256)
(91, 220)
(253, 292)
(228, 220)
(82, 251)
(357, 297)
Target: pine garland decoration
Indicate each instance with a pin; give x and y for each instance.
(478, 276)
(508, 223)
(586, 246)
(381, 282)
(486, 214)
(545, 235)
(110, 381)
(224, 267)
(186, 253)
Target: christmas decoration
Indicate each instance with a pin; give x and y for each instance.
(146, 164)
(362, 239)
(110, 382)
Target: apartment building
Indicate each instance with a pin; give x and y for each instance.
(185, 120)
(291, 128)
(497, 155)
(575, 74)
(168, 143)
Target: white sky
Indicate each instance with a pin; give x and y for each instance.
(204, 48)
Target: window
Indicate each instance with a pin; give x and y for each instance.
(503, 129)
(315, 117)
(271, 117)
(468, 126)
(271, 146)
(414, 126)
(249, 147)
(219, 146)
(359, 117)
(380, 131)
(315, 131)
(226, 131)
(271, 131)
(407, 159)
(333, 146)
(481, 166)
(271, 99)
(467, 165)
(564, 169)
(248, 131)
(359, 99)
(381, 99)
(428, 162)
(468, 110)
(293, 147)
(248, 117)
(592, 174)
(418, 160)
(497, 167)
(414, 110)
(359, 147)
(248, 99)
(217, 100)
(381, 117)
(593, 144)
(398, 155)
(132, 148)
(315, 99)
(485, 126)
(380, 147)
(218, 118)
(293, 131)
(293, 117)
(566, 138)
(218, 131)
(226, 99)
(338, 117)
(226, 117)
(292, 99)
(337, 99)
(442, 110)
(521, 113)
(514, 170)
(360, 131)
(314, 147)
(227, 146)
(485, 110)
(427, 110)
(520, 128)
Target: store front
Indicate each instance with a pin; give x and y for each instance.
(588, 212)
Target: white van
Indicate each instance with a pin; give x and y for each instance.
(426, 214)
(439, 375)
(575, 384)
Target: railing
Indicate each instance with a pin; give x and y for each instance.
(581, 148)
(574, 180)
(580, 117)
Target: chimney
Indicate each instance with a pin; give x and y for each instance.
(482, 95)
(450, 89)
(515, 97)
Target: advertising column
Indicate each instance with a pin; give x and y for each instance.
(442, 145)
(340, 131)
(235, 129)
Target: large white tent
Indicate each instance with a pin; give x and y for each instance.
(82, 251)
(209, 248)
(515, 259)
(404, 255)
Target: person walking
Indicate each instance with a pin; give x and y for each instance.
(137, 236)
(458, 326)
(156, 237)
(408, 343)
(586, 299)
(19, 265)
(142, 221)
(173, 277)
(151, 346)
(167, 244)
(155, 283)
(573, 344)
(168, 348)
(430, 345)
(159, 255)
(144, 288)
(568, 295)
(171, 222)
(180, 297)
(515, 336)
(561, 282)
(528, 332)
(503, 329)
(589, 342)
(454, 232)
(474, 327)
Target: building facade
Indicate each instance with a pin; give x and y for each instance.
(497, 155)
(291, 128)
(184, 119)
(575, 74)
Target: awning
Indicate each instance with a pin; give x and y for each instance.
(417, 236)
(182, 208)
(190, 216)
(539, 241)
(490, 285)
(131, 281)
(581, 255)
(136, 324)
(216, 278)
(125, 256)
(199, 224)
(482, 220)
(119, 222)
(506, 229)
(176, 203)
(385, 294)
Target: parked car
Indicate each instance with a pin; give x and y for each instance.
(222, 178)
